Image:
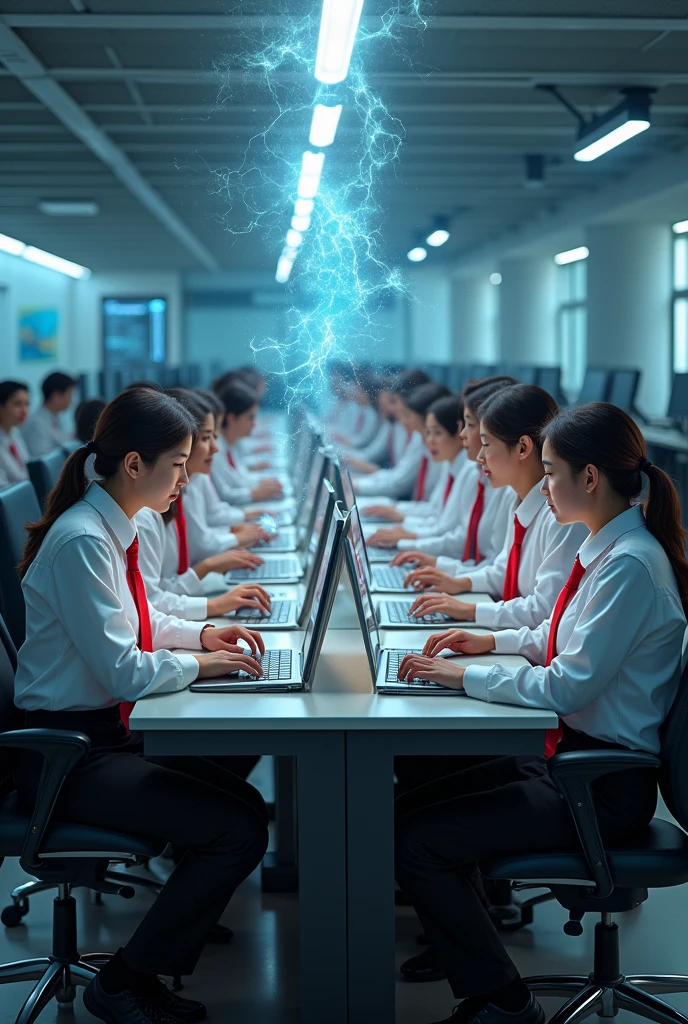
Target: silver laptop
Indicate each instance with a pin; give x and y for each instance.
(384, 662)
(285, 670)
(306, 437)
(311, 470)
(293, 614)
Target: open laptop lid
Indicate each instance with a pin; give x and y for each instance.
(323, 598)
(319, 469)
(364, 605)
(324, 507)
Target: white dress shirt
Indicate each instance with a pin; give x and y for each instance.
(379, 449)
(362, 427)
(547, 554)
(233, 483)
(206, 533)
(43, 432)
(618, 645)
(11, 471)
(81, 651)
(498, 513)
(167, 591)
(450, 516)
(400, 480)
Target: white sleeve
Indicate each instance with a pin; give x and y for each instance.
(177, 595)
(378, 449)
(37, 437)
(530, 643)
(220, 513)
(233, 494)
(490, 579)
(92, 614)
(395, 482)
(619, 608)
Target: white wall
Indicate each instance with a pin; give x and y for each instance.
(527, 311)
(430, 315)
(475, 319)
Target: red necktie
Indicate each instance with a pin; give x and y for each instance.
(565, 597)
(230, 459)
(138, 592)
(15, 452)
(471, 549)
(447, 489)
(419, 490)
(512, 566)
(182, 540)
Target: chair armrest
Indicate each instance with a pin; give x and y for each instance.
(61, 752)
(572, 774)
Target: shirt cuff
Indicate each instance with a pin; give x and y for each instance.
(195, 608)
(507, 641)
(191, 636)
(232, 542)
(190, 582)
(449, 565)
(486, 612)
(475, 681)
(190, 668)
(407, 545)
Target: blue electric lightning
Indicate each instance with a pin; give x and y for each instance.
(341, 277)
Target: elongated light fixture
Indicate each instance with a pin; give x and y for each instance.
(303, 207)
(437, 237)
(572, 255)
(14, 247)
(623, 122)
(284, 267)
(11, 245)
(338, 27)
(300, 223)
(680, 228)
(324, 125)
(294, 238)
(311, 169)
(417, 254)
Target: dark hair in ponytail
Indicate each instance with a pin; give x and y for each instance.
(140, 420)
(521, 410)
(448, 411)
(602, 435)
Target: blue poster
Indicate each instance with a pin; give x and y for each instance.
(38, 334)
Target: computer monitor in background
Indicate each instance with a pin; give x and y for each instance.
(525, 374)
(678, 403)
(549, 379)
(595, 386)
(479, 370)
(624, 388)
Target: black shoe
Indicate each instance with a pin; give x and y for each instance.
(474, 1011)
(187, 1010)
(123, 1008)
(423, 967)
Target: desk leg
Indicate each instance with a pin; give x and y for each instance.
(370, 847)
(320, 781)
(279, 871)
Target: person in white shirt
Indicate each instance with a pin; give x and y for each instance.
(381, 449)
(425, 524)
(403, 384)
(364, 423)
(92, 645)
(14, 408)
(173, 584)
(43, 430)
(532, 567)
(235, 480)
(608, 662)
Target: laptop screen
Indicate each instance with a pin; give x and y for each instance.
(323, 596)
(315, 552)
(358, 576)
(319, 469)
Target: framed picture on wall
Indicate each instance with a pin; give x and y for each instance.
(38, 332)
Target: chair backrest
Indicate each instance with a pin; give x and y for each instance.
(673, 775)
(549, 379)
(18, 506)
(595, 387)
(10, 716)
(44, 472)
(624, 388)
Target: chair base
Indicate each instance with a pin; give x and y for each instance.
(636, 994)
(14, 913)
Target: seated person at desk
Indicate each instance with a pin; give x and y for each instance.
(14, 408)
(380, 450)
(365, 421)
(629, 582)
(93, 645)
(43, 431)
(403, 384)
(536, 558)
(85, 418)
(480, 540)
(172, 584)
(452, 496)
(235, 481)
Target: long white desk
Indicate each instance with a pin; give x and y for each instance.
(344, 745)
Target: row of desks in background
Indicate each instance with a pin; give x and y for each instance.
(668, 449)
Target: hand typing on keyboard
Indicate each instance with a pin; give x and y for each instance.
(428, 604)
(458, 641)
(246, 596)
(437, 670)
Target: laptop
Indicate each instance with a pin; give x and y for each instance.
(285, 670)
(394, 614)
(384, 663)
(292, 614)
(308, 437)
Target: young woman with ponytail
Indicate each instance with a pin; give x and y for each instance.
(93, 647)
(608, 661)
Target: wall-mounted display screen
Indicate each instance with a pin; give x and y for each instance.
(134, 332)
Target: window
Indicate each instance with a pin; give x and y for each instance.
(680, 318)
(572, 318)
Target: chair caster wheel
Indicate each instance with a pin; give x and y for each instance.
(573, 928)
(65, 998)
(12, 916)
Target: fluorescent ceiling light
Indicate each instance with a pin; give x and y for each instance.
(11, 245)
(612, 139)
(312, 163)
(437, 237)
(629, 118)
(284, 265)
(294, 238)
(680, 228)
(338, 27)
(303, 207)
(69, 208)
(495, 278)
(572, 255)
(311, 169)
(324, 125)
(300, 223)
(46, 259)
(417, 254)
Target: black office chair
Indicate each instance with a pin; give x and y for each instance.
(44, 472)
(64, 854)
(549, 379)
(604, 881)
(595, 386)
(18, 506)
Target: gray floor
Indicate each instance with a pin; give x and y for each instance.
(254, 981)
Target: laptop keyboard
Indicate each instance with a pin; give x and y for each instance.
(281, 567)
(276, 665)
(398, 613)
(280, 613)
(394, 660)
(390, 576)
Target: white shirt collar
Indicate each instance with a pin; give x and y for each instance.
(594, 546)
(457, 463)
(115, 517)
(531, 505)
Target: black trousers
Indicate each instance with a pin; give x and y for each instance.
(195, 803)
(506, 805)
